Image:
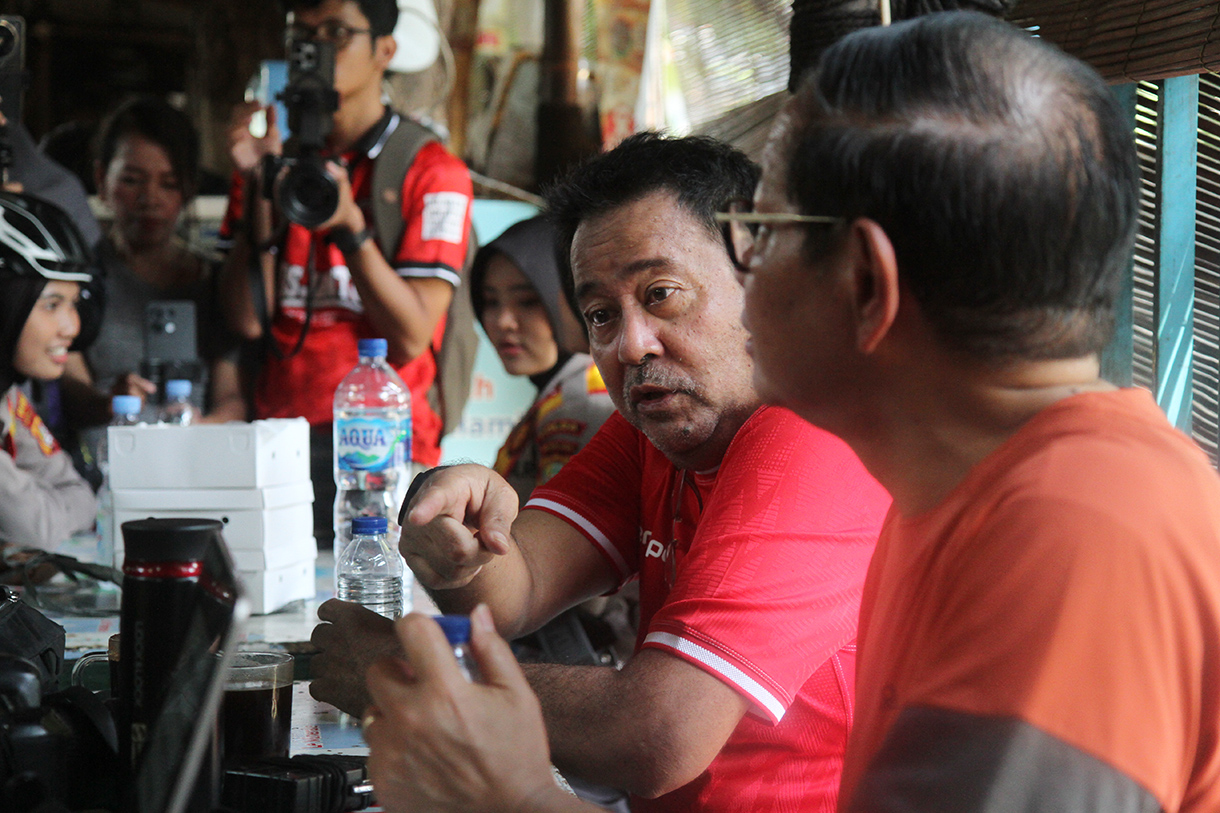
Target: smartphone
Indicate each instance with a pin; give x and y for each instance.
(264, 87)
(169, 331)
(12, 66)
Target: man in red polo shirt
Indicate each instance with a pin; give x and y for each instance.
(748, 530)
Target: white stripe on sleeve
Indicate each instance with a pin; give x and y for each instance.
(418, 272)
(748, 685)
(588, 527)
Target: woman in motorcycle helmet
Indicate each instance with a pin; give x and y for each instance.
(43, 263)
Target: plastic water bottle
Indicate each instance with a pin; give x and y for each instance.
(369, 571)
(124, 411)
(372, 440)
(457, 632)
(178, 409)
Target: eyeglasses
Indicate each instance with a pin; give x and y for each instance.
(335, 32)
(746, 231)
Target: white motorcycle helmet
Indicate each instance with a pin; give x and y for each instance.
(37, 237)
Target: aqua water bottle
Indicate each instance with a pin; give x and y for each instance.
(369, 571)
(124, 411)
(372, 440)
(457, 632)
(178, 410)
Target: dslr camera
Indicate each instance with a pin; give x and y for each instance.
(12, 82)
(58, 751)
(305, 192)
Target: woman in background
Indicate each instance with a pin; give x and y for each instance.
(43, 262)
(515, 289)
(146, 168)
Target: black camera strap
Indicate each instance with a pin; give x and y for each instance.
(258, 290)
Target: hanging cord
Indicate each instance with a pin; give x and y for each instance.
(508, 189)
(258, 290)
(71, 567)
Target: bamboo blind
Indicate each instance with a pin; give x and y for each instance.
(1130, 40)
(1147, 147)
(1206, 412)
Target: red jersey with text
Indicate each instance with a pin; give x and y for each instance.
(752, 572)
(1071, 581)
(436, 199)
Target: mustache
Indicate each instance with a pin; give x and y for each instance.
(651, 375)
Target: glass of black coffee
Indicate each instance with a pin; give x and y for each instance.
(256, 714)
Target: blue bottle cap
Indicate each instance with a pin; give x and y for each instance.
(178, 388)
(363, 526)
(125, 405)
(372, 348)
(456, 627)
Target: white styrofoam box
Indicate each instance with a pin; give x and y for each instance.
(230, 455)
(254, 518)
(244, 529)
(215, 499)
(274, 558)
(269, 590)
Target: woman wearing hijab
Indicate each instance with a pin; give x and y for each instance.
(43, 263)
(515, 289)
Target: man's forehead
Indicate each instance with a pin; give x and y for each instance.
(638, 237)
(327, 10)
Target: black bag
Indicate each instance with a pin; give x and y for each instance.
(27, 633)
(456, 354)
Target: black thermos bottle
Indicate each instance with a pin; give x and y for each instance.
(161, 568)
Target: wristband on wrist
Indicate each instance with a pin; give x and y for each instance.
(416, 484)
(347, 241)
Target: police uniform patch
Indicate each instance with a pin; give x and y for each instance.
(23, 413)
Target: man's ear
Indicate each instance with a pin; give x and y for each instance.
(386, 47)
(875, 283)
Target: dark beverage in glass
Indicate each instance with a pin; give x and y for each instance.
(256, 713)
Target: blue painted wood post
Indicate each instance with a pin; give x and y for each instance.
(1117, 359)
(1175, 295)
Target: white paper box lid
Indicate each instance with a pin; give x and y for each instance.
(231, 455)
(213, 499)
(243, 530)
(286, 555)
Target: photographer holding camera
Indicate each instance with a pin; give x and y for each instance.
(310, 282)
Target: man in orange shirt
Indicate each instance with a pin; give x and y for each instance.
(931, 265)
(947, 209)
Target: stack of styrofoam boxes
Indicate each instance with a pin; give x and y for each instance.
(253, 477)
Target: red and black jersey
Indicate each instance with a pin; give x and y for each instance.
(436, 200)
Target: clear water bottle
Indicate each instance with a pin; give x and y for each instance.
(372, 440)
(124, 411)
(370, 571)
(457, 632)
(178, 409)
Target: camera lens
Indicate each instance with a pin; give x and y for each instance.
(308, 195)
(8, 39)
